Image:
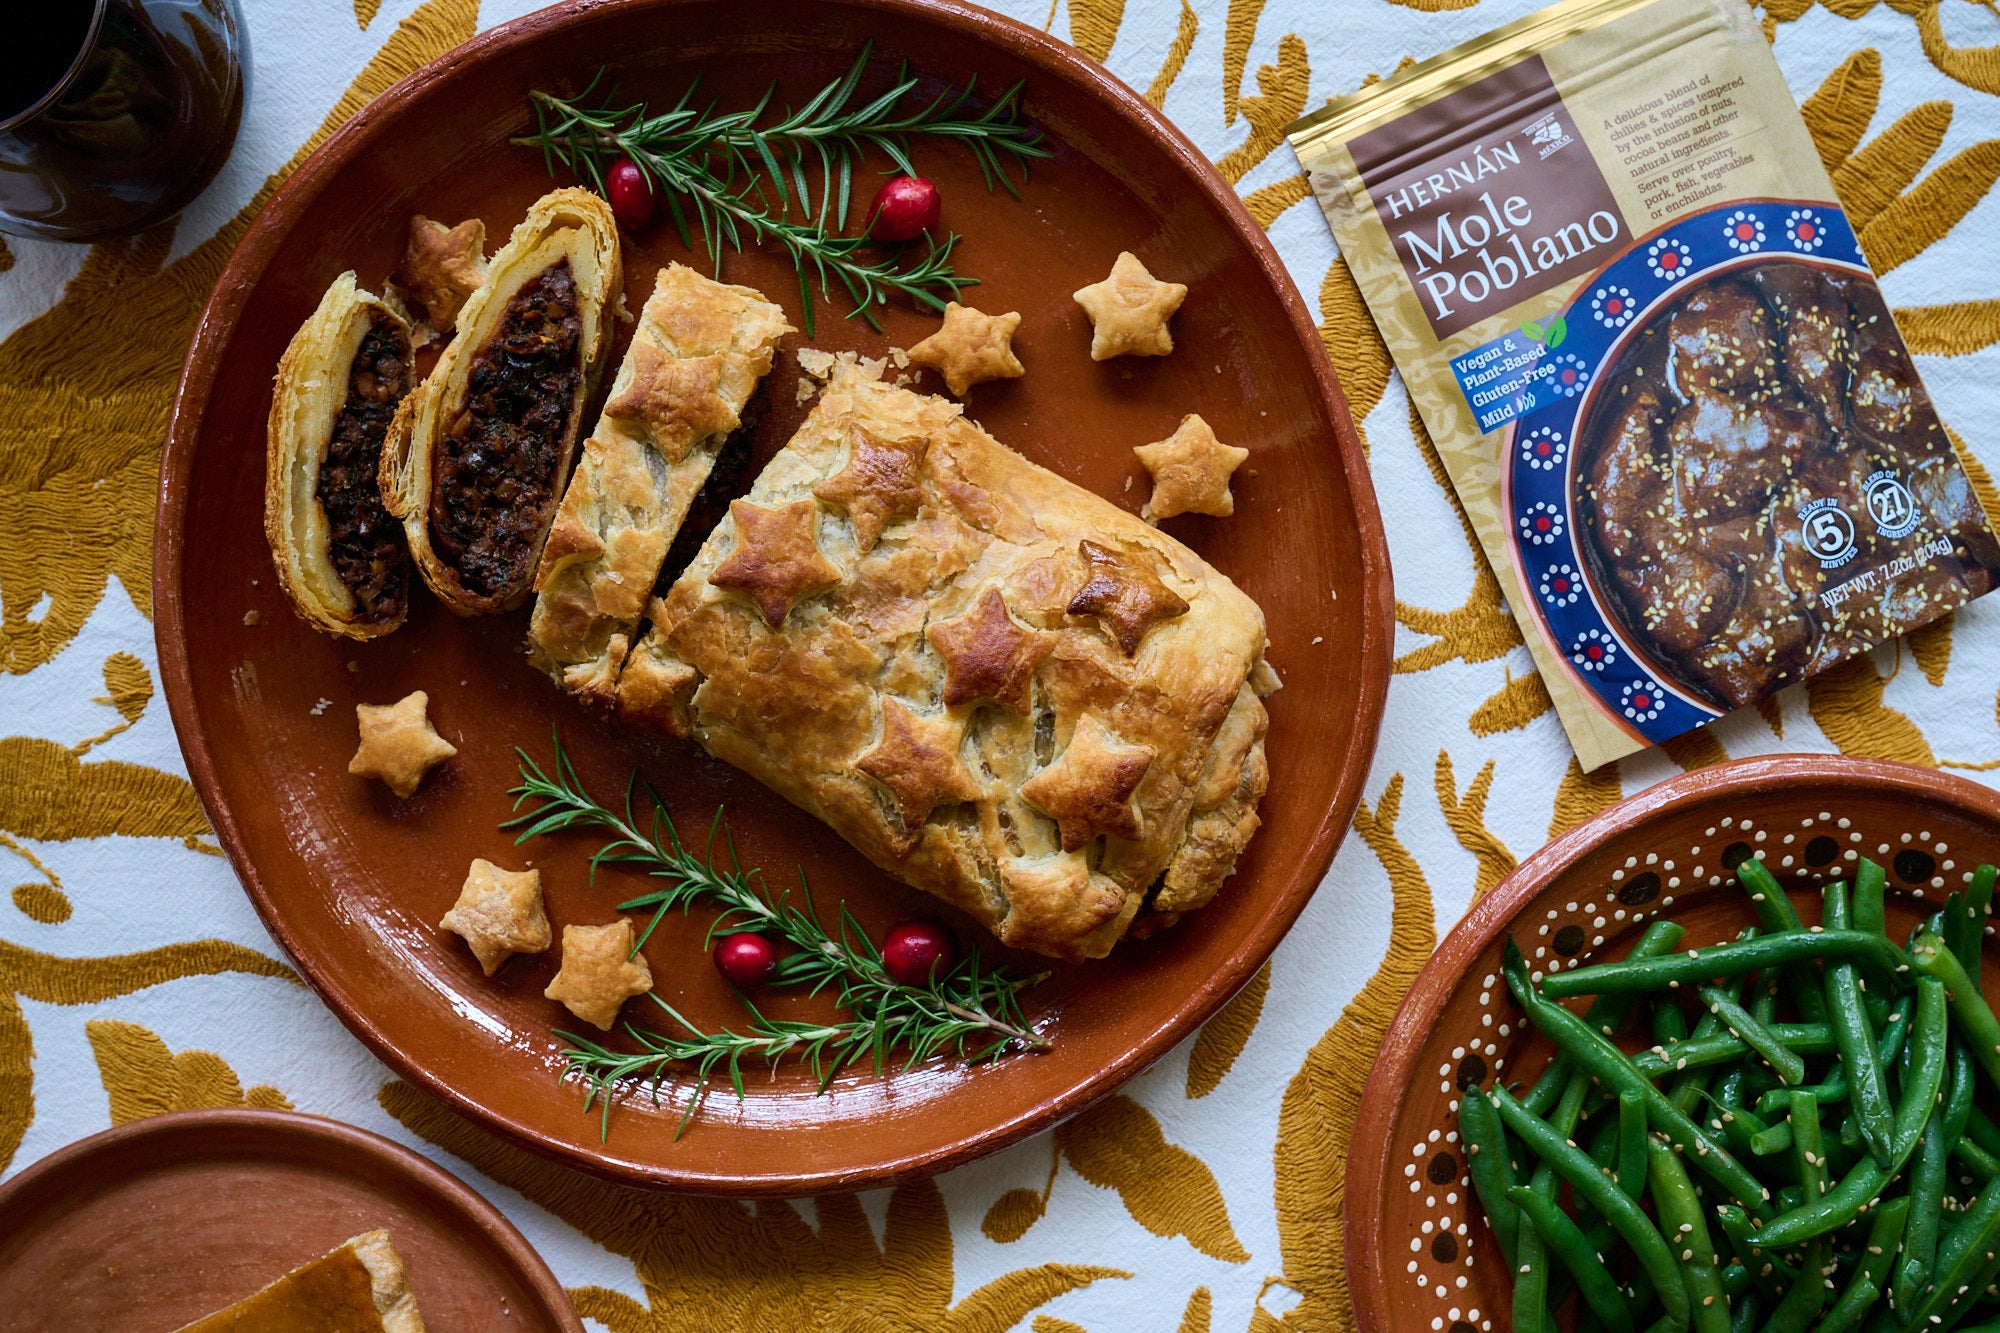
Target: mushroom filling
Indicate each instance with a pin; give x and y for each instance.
(365, 545)
(1732, 411)
(494, 483)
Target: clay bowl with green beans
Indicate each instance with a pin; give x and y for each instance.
(1724, 1058)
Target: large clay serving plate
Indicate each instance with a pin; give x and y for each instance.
(352, 881)
(151, 1225)
(1419, 1254)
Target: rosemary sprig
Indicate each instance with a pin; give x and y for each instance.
(968, 1011)
(741, 177)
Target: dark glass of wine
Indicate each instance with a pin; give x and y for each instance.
(114, 113)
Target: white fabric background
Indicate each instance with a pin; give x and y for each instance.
(132, 894)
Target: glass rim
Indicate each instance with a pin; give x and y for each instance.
(69, 77)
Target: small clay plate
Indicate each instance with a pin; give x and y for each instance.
(352, 881)
(154, 1224)
(1419, 1254)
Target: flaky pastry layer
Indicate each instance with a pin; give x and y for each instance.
(1000, 687)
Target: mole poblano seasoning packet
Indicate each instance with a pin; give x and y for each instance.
(1609, 263)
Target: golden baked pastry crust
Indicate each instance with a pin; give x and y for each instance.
(1191, 471)
(442, 266)
(1097, 728)
(307, 399)
(398, 744)
(599, 972)
(498, 914)
(359, 1287)
(700, 351)
(1129, 311)
(565, 226)
(971, 348)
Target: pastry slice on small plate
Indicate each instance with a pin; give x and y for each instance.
(360, 1287)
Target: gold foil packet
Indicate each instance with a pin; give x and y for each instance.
(1607, 259)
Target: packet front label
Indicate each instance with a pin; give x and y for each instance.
(1489, 196)
(1606, 257)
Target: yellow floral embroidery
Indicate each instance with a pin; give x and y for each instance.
(714, 1264)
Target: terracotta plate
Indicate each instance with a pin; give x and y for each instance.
(352, 881)
(1420, 1256)
(159, 1222)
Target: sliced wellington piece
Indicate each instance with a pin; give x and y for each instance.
(359, 1287)
(481, 450)
(700, 351)
(1001, 688)
(341, 558)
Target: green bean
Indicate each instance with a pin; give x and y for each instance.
(1866, 1181)
(1979, 1217)
(1743, 1316)
(1776, 913)
(1788, 1064)
(1806, 1147)
(1607, 1064)
(1806, 1296)
(1979, 1163)
(1486, 1155)
(1963, 1263)
(1772, 1277)
(1968, 1007)
(1926, 1196)
(1834, 1089)
(1632, 1144)
(1855, 1039)
(1979, 1127)
(1965, 919)
(1680, 1213)
(1593, 1277)
(1625, 1216)
(1670, 1024)
(1774, 1138)
(1531, 1269)
(1720, 960)
(1723, 1047)
(1735, 1280)
(1605, 1014)
(1871, 1270)
(1871, 914)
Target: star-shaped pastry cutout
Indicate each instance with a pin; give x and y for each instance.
(776, 560)
(397, 743)
(972, 348)
(917, 760)
(882, 479)
(599, 972)
(1088, 789)
(499, 914)
(676, 398)
(442, 266)
(1125, 595)
(987, 656)
(1129, 311)
(1191, 471)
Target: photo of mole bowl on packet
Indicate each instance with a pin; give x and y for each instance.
(1605, 255)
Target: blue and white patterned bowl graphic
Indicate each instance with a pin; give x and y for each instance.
(1545, 471)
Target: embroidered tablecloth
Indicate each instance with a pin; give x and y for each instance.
(136, 979)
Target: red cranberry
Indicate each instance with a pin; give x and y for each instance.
(745, 960)
(631, 195)
(916, 951)
(904, 209)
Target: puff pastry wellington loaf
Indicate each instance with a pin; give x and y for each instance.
(341, 558)
(698, 355)
(480, 451)
(1001, 688)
